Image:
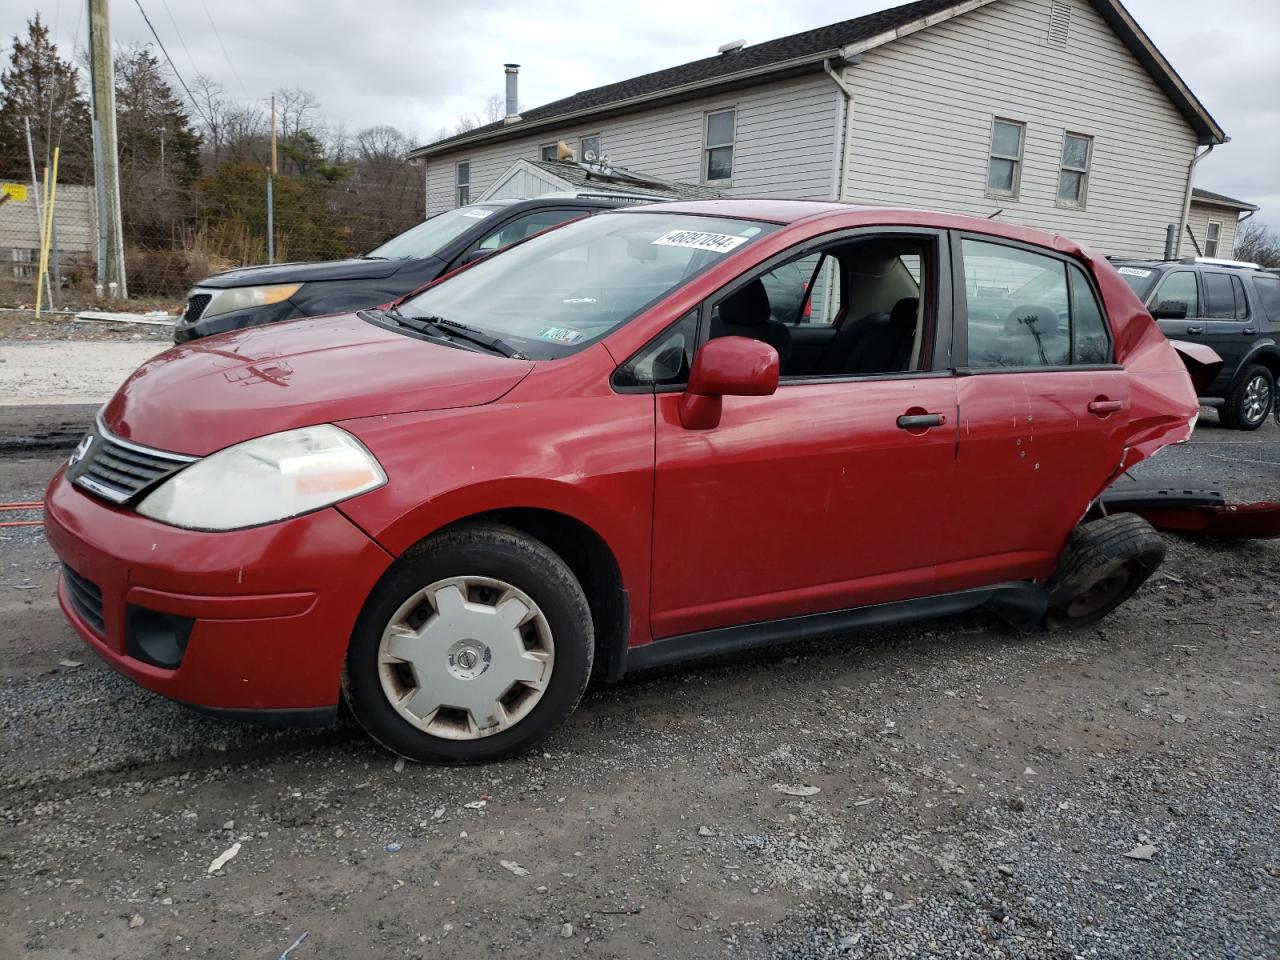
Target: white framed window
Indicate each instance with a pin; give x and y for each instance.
(1004, 166)
(1212, 238)
(547, 151)
(720, 129)
(462, 182)
(1073, 175)
(589, 149)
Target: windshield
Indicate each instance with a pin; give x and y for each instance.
(1139, 279)
(555, 293)
(428, 237)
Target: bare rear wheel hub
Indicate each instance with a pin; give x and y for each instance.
(466, 657)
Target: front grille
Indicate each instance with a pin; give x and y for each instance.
(85, 597)
(195, 307)
(119, 471)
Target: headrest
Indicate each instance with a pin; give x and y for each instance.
(904, 313)
(748, 307)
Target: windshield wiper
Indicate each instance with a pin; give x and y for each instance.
(461, 331)
(370, 256)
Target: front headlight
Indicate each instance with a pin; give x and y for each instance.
(241, 298)
(267, 479)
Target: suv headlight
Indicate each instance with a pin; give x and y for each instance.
(267, 479)
(241, 298)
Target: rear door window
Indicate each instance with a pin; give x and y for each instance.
(1219, 297)
(1028, 310)
(1242, 302)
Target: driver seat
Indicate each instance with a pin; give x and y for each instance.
(746, 313)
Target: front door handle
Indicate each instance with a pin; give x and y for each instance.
(1195, 330)
(919, 421)
(1102, 408)
(1249, 331)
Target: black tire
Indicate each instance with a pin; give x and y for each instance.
(1241, 410)
(479, 550)
(1103, 565)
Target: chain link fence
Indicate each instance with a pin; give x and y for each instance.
(190, 216)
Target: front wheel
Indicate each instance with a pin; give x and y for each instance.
(1250, 400)
(473, 647)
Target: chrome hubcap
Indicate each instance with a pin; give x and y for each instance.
(466, 657)
(1257, 397)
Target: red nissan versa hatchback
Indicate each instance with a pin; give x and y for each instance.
(646, 436)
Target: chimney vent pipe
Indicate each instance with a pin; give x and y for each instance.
(513, 99)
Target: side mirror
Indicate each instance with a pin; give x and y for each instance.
(726, 367)
(1170, 310)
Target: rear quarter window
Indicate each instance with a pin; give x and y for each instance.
(1268, 290)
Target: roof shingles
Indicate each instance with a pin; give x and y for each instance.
(832, 37)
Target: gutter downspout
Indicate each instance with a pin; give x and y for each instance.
(1186, 200)
(847, 134)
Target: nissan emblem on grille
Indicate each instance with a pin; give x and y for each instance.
(119, 470)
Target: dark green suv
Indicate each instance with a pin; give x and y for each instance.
(1230, 306)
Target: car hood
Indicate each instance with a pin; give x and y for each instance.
(200, 397)
(304, 273)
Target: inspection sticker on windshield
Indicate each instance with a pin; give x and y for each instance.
(697, 240)
(477, 214)
(1133, 272)
(559, 335)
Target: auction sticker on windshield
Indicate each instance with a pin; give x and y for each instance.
(1133, 272)
(559, 335)
(477, 214)
(697, 240)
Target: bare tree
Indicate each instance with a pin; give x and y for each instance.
(1258, 244)
(297, 111)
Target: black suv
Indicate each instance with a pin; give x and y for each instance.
(1230, 306)
(251, 296)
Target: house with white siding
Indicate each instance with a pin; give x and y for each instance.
(1214, 220)
(1059, 114)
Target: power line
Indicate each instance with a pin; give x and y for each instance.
(217, 33)
(181, 39)
(170, 60)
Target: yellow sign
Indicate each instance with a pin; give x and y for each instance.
(14, 191)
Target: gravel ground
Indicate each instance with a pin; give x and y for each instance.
(45, 372)
(21, 324)
(978, 792)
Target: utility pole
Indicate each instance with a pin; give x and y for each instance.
(271, 173)
(106, 156)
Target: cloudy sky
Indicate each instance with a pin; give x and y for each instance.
(418, 65)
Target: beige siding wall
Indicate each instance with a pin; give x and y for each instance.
(75, 218)
(1198, 220)
(785, 144)
(924, 108)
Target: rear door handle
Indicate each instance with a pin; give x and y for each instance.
(1195, 330)
(917, 421)
(1101, 408)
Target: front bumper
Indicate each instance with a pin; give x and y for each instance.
(270, 609)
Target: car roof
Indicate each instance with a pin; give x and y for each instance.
(787, 212)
